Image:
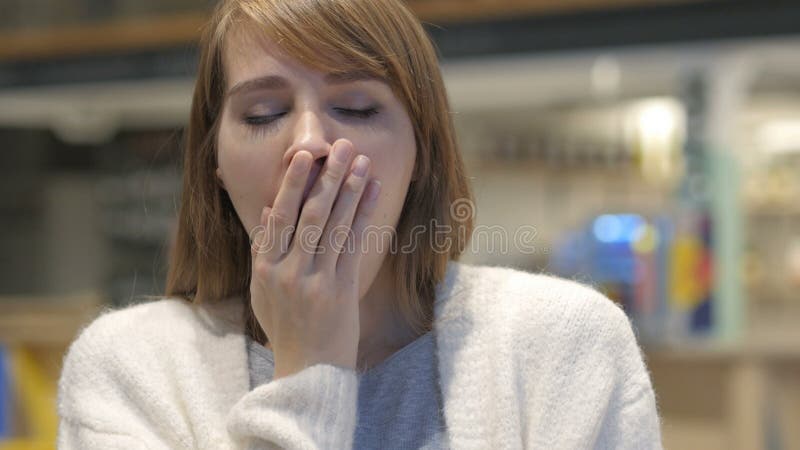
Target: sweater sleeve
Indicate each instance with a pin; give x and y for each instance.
(100, 406)
(314, 409)
(77, 435)
(116, 391)
(631, 420)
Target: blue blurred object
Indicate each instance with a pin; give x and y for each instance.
(616, 228)
(631, 259)
(612, 258)
(601, 254)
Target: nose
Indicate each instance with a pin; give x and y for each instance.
(310, 134)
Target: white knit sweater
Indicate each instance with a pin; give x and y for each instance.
(526, 361)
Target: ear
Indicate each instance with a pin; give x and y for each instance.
(220, 181)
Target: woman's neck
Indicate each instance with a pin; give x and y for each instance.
(382, 331)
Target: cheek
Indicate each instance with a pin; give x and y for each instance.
(392, 163)
(249, 171)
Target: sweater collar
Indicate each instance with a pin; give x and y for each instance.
(454, 320)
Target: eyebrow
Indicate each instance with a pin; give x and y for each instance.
(275, 82)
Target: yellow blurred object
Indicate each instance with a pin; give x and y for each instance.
(37, 398)
(26, 444)
(647, 239)
(687, 289)
(37, 330)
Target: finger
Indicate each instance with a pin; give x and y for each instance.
(280, 223)
(317, 207)
(258, 241)
(348, 264)
(338, 227)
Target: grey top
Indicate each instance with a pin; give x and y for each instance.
(399, 402)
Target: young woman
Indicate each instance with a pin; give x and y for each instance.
(314, 298)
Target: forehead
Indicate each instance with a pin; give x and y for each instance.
(248, 55)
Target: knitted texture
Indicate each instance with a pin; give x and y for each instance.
(525, 361)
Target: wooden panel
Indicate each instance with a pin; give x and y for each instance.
(461, 10)
(139, 34)
(680, 433)
(46, 321)
(171, 30)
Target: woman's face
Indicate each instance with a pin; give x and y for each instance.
(275, 107)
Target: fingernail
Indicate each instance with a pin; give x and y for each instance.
(301, 161)
(342, 152)
(374, 189)
(361, 164)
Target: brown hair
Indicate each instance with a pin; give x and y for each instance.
(210, 258)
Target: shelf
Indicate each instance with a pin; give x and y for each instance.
(734, 397)
(774, 211)
(783, 348)
(461, 10)
(46, 321)
(543, 165)
(113, 36)
(178, 29)
(568, 20)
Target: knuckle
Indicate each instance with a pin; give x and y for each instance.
(353, 185)
(261, 269)
(334, 173)
(286, 280)
(316, 288)
(314, 213)
(280, 218)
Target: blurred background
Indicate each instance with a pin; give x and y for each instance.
(648, 148)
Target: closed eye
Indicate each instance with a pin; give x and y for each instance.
(363, 113)
(263, 123)
(261, 120)
(265, 119)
